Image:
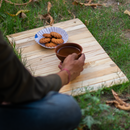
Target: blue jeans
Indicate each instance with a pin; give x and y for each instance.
(54, 112)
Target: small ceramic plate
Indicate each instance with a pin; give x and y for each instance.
(62, 32)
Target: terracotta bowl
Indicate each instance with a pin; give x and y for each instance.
(63, 50)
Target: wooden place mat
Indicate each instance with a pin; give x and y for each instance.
(99, 70)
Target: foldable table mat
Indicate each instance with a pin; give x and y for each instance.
(99, 70)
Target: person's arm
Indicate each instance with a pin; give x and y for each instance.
(17, 84)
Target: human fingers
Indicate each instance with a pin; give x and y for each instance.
(82, 58)
(73, 56)
(60, 65)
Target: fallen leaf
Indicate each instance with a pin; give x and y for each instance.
(86, 22)
(127, 12)
(86, 4)
(47, 23)
(19, 12)
(64, 2)
(49, 7)
(22, 15)
(22, 11)
(76, 3)
(51, 19)
(47, 17)
(119, 103)
(105, 5)
(12, 15)
(1, 2)
(17, 3)
(89, 1)
(72, 14)
(40, 16)
(35, 0)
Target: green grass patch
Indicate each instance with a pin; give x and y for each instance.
(108, 25)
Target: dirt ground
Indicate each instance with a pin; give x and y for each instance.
(115, 4)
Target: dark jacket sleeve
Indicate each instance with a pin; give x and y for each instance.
(17, 85)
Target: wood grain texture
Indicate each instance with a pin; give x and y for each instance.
(99, 70)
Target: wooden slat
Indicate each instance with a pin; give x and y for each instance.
(99, 70)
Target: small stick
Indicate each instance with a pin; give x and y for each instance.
(17, 3)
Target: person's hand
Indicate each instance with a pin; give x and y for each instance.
(74, 65)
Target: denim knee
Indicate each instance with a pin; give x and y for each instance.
(53, 112)
(66, 105)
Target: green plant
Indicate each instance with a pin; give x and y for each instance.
(108, 25)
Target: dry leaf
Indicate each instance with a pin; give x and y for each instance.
(19, 12)
(119, 103)
(51, 19)
(86, 22)
(35, 0)
(89, 1)
(40, 16)
(49, 7)
(64, 2)
(86, 4)
(71, 13)
(22, 15)
(127, 12)
(1, 2)
(47, 17)
(17, 3)
(105, 5)
(22, 11)
(12, 15)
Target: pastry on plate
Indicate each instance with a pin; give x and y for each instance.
(56, 35)
(44, 40)
(57, 41)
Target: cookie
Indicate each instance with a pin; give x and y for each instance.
(57, 41)
(51, 44)
(56, 35)
(44, 40)
(47, 35)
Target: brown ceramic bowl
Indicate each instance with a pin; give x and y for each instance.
(63, 50)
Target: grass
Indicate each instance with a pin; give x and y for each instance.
(108, 25)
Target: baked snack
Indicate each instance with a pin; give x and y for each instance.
(57, 41)
(44, 40)
(51, 44)
(47, 35)
(56, 35)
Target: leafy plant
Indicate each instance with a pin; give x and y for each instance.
(94, 107)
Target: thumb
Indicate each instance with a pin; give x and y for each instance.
(82, 57)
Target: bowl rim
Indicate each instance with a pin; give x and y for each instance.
(65, 44)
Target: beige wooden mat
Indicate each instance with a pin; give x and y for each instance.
(99, 70)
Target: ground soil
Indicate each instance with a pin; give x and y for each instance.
(108, 96)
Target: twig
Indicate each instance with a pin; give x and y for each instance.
(87, 4)
(17, 3)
